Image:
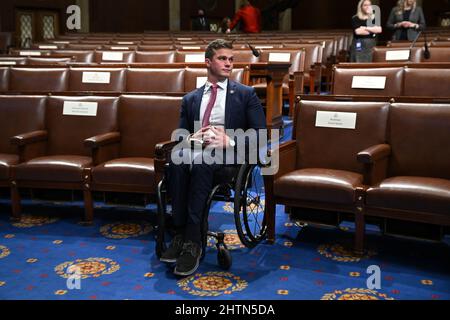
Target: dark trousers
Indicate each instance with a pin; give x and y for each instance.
(189, 188)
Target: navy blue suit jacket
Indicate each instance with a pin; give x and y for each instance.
(243, 109)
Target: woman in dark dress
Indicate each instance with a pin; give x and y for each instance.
(406, 19)
(364, 33)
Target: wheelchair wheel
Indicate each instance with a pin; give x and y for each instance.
(224, 257)
(249, 208)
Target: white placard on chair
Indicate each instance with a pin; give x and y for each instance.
(96, 77)
(194, 58)
(112, 56)
(369, 82)
(279, 57)
(125, 42)
(80, 108)
(30, 53)
(190, 47)
(120, 48)
(48, 47)
(8, 63)
(332, 119)
(397, 55)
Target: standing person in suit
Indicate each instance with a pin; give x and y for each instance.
(406, 19)
(364, 33)
(218, 105)
(201, 22)
(250, 18)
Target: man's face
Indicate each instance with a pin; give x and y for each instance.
(221, 64)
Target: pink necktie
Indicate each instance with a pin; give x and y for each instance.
(210, 105)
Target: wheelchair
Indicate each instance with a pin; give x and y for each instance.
(240, 184)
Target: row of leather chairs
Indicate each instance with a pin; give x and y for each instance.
(399, 79)
(391, 161)
(437, 54)
(62, 79)
(88, 143)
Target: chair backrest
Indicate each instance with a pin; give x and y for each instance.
(47, 61)
(295, 57)
(145, 121)
(344, 79)
(419, 137)
(114, 56)
(155, 80)
(39, 79)
(66, 133)
(244, 56)
(155, 57)
(20, 114)
(336, 148)
(387, 54)
(190, 56)
(4, 78)
(439, 54)
(97, 79)
(85, 56)
(427, 82)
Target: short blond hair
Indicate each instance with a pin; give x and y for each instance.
(401, 6)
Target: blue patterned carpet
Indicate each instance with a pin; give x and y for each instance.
(117, 260)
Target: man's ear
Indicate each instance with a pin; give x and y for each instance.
(208, 62)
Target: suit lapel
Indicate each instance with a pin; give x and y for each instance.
(231, 89)
(197, 103)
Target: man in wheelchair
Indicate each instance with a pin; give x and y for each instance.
(208, 116)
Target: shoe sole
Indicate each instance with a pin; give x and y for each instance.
(188, 273)
(168, 260)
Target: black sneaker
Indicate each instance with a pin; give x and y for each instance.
(189, 259)
(174, 250)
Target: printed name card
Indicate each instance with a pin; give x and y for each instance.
(194, 58)
(190, 47)
(263, 47)
(78, 108)
(96, 77)
(48, 47)
(120, 48)
(279, 57)
(8, 63)
(125, 42)
(331, 119)
(201, 81)
(181, 39)
(188, 42)
(112, 56)
(396, 55)
(62, 42)
(366, 82)
(29, 53)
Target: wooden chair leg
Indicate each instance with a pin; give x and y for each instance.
(15, 203)
(88, 208)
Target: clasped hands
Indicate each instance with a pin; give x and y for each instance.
(211, 136)
(406, 24)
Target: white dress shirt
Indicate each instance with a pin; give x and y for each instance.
(217, 117)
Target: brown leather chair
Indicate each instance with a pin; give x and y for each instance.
(39, 79)
(20, 115)
(119, 47)
(319, 168)
(10, 60)
(48, 61)
(127, 56)
(4, 78)
(156, 47)
(83, 46)
(379, 54)
(155, 80)
(244, 56)
(343, 78)
(155, 56)
(144, 121)
(416, 184)
(180, 56)
(62, 161)
(85, 56)
(427, 82)
(117, 81)
(438, 54)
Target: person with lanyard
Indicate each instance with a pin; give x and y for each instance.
(407, 20)
(364, 33)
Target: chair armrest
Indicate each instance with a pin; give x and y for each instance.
(163, 149)
(375, 162)
(374, 153)
(102, 140)
(29, 137)
(287, 153)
